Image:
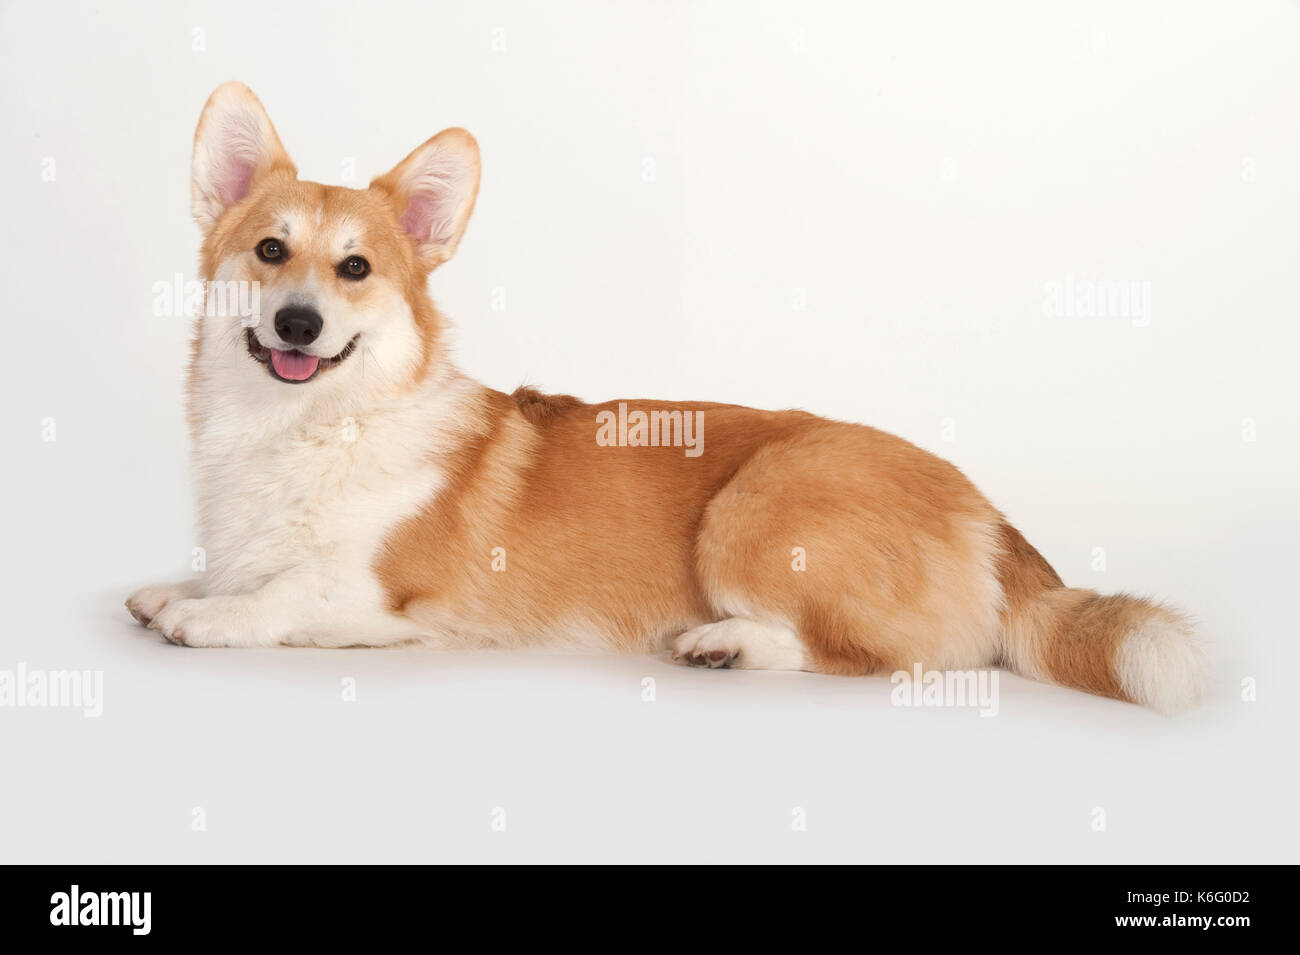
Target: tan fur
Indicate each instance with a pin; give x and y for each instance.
(645, 542)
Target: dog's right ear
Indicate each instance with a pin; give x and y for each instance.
(234, 145)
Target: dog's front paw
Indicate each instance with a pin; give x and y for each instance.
(147, 602)
(203, 622)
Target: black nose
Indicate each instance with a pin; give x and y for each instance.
(298, 326)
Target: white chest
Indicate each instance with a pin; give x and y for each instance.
(314, 500)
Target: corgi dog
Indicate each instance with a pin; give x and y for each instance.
(355, 489)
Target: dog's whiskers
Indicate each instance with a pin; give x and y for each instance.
(238, 335)
(366, 352)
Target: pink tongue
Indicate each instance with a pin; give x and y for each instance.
(293, 365)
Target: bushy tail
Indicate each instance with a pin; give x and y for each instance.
(1118, 646)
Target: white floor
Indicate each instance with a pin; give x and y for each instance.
(528, 757)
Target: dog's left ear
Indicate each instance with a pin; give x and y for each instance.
(234, 145)
(433, 191)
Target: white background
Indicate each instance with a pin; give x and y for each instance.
(916, 173)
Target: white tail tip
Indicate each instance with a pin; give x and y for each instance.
(1164, 664)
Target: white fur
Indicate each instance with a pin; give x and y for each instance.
(322, 492)
(298, 485)
(1163, 664)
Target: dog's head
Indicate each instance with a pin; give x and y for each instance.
(339, 273)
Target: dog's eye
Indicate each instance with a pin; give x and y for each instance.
(270, 250)
(354, 267)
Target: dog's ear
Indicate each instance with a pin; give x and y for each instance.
(234, 144)
(432, 192)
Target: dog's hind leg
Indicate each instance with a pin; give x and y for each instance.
(743, 644)
(844, 550)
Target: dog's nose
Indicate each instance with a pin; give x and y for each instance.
(297, 325)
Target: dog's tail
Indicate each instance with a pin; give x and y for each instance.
(1118, 646)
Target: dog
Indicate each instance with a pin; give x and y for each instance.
(355, 489)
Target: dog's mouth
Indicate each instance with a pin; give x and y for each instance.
(293, 366)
